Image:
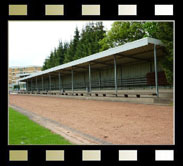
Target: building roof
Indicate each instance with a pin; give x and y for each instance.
(135, 47)
(16, 67)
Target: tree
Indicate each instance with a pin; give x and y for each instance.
(121, 33)
(164, 32)
(89, 41)
(70, 53)
(60, 54)
(80, 46)
(56, 57)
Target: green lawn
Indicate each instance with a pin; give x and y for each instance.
(23, 131)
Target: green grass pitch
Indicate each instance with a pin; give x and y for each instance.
(23, 131)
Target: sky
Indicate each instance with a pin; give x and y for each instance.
(30, 42)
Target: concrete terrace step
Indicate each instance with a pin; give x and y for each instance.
(137, 94)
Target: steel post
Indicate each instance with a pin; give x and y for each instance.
(99, 80)
(26, 86)
(59, 82)
(72, 75)
(31, 84)
(36, 84)
(115, 76)
(42, 84)
(50, 81)
(89, 77)
(156, 71)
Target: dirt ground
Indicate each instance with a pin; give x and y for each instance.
(114, 122)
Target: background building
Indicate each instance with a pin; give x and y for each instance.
(15, 73)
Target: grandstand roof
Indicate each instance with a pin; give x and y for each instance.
(137, 50)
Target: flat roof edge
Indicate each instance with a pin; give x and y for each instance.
(155, 41)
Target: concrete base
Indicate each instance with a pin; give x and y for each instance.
(133, 96)
(142, 100)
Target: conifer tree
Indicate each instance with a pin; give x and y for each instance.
(70, 53)
(89, 41)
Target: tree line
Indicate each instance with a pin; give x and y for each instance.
(83, 44)
(93, 38)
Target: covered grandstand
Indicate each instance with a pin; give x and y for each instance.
(132, 67)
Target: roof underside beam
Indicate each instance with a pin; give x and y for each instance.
(132, 57)
(79, 67)
(102, 63)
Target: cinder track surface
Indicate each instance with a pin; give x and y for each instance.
(113, 122)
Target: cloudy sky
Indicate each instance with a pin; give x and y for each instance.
(30, 42)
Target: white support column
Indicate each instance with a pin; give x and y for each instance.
(115, 76)
(99, 80)
(156, 71)
(36, 84)
(50, 80)
(72, 78)
(31, 84)
(42, 83)
(59, 81)
(26, 85)
(89, 77)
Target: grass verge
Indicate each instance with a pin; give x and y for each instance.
(23, 131)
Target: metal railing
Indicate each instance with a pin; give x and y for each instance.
(127, 83)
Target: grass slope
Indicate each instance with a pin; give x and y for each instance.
(23, 131)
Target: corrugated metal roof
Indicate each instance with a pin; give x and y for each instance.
(128, 46)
